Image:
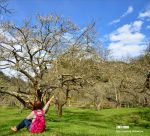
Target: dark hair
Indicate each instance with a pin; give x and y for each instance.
(37, 105)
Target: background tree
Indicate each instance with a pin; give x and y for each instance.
(69, 73)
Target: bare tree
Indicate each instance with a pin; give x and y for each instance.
(32, 50)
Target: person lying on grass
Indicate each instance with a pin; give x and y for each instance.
(35, 121)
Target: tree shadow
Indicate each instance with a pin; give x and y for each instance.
(81, 118)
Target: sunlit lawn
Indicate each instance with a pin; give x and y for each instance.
(83, 122)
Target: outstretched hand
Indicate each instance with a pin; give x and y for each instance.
(51, 98)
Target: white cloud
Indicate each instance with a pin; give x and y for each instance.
(136, 26)
(128, 33)
(127, 41)
(148, 27)
(129, 11)
(124, 51)
(145, 14)
(115, 21)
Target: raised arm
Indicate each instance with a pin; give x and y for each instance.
(47, 104)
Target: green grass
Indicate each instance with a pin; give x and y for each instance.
(82, 122)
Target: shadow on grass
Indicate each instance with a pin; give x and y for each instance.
(134, 119)
(84, 119)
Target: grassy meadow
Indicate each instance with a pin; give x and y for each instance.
(82, 122)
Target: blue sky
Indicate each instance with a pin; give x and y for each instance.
(122, 25)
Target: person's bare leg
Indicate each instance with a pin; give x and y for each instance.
(24, 123)
(14, 128)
